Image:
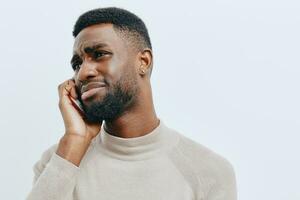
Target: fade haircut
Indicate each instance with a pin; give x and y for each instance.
(128, 25)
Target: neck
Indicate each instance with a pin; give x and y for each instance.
(138, 121)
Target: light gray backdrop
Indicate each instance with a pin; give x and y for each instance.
(226, 74)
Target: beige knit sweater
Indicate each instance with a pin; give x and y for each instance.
(161, 165)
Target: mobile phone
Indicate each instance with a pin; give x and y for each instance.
(77, 104)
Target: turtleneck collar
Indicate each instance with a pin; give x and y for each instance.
(137, 148)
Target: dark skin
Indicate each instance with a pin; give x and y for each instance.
(104, 55)
(116, 63)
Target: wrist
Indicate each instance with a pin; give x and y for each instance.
(73, 147)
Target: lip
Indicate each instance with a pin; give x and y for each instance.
(89, 93)
(91, 86)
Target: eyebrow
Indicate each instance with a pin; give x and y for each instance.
(88, 50)
(95, 46)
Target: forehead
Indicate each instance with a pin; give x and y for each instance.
(97, 34)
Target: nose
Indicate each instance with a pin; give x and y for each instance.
(88, 70)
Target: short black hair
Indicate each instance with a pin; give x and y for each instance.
(122, 20)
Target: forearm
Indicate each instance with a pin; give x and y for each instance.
(56, 182)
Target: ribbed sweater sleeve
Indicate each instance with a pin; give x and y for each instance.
(54, 177)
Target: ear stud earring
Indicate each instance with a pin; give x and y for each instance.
(143, 71)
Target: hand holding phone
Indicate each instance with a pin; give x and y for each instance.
(78, 131)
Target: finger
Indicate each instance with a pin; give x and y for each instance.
(67, 89)
(64, 89)
(73, 92)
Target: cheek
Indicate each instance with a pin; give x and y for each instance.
(130, 79)
(115, 67)
(119, 68)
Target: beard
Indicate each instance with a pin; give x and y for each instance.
(114, 103)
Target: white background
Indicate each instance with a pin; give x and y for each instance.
(226, 74)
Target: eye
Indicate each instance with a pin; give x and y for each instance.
(98, 54)
(76, 65)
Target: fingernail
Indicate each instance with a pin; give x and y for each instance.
(68, 87)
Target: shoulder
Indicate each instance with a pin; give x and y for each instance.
(201, 155)
(212, 170)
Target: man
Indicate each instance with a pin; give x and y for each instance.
(135, 155)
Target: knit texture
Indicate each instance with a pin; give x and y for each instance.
(161, 165)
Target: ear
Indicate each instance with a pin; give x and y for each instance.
(145, 62)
